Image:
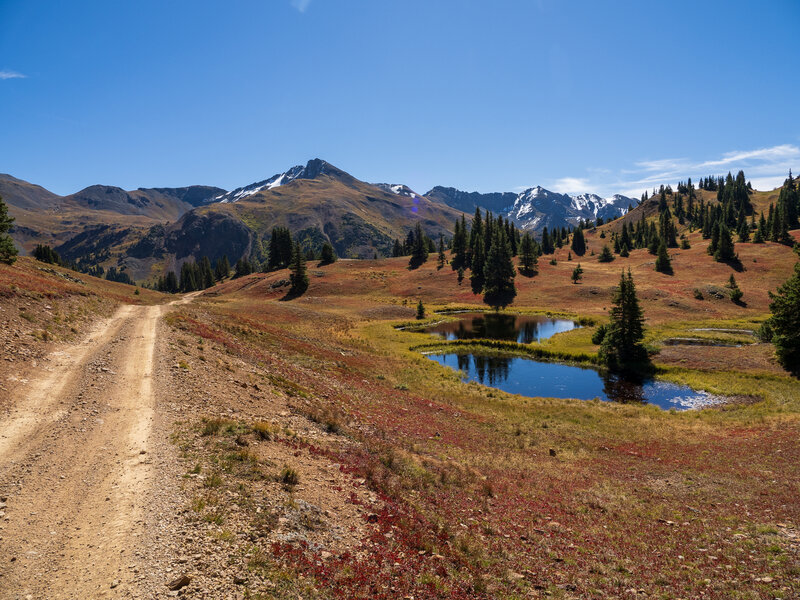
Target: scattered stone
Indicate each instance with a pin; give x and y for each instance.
(180, 582)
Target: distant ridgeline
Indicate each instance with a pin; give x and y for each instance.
(322, 209)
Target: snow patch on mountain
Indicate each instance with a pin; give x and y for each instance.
(398, 189)
(537, 207)
(278, 180)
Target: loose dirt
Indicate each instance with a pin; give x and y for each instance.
(75, 474)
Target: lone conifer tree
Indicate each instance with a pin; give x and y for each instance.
(578, 242)
(622, 348)
(736, 292)
(499, 271)
(419, 249)
(8, 252)
(420, 310)
(328, 254)
(663, 263)
(527, 255)
(577, 273)
(442, 258)
(298, 275)
(724, 250)
(785, 322)
(605, 255)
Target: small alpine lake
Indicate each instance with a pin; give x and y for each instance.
(535, 378)
(523, 329)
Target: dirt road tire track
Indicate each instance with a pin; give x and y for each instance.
(75, 465)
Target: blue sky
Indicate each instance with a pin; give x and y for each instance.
(489, 96)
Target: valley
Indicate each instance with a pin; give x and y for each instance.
(309, 448)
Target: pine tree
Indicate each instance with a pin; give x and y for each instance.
(622, 348)
(242, 268)
(724, 251)
(442, 258)
(206, 274)
(419, 248)
(578, 242)
(744, 232)
(171, 283)
(547, 242)
(475, 234)
(499, 271)
(327, 254)
(188, 278)
(736, 293)
(784, 322)
(298, 276)
(420, 310)
(459, 245)
(605, 255)
(478, 260)
(280, 248)
(577, 273)
(663, 263)
(527, 255)
(222, 268)
(8, 252)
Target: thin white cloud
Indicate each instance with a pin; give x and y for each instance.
(11, 75)
(301, 5)
(570, 185)
(766, 168)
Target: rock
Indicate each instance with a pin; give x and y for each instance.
(114, 583)
(179, 583)
(239, 579)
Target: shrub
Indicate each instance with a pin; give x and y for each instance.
(263, 430)
(289, 476)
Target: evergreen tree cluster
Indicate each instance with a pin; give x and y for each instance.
(194, 276)
(488, 249)
(46, 254)
(732, 213)
(120, 276)
(281, 247)
(416, 241)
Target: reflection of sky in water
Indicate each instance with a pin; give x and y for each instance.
(552, 380)
(498, 326)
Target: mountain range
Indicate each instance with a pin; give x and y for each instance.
(150, 230)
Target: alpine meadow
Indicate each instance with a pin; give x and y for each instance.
(402, 300)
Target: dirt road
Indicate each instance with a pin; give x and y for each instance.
(75, 467)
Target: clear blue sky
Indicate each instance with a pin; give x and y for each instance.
(488, 96)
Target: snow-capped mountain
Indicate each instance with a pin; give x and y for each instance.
(267, 184)
(398, 189)
(536, 207)
(314, 168)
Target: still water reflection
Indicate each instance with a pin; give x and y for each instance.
(552, 380)
(523, 329)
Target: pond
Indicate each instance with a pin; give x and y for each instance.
(523, 329)
(553, 380)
